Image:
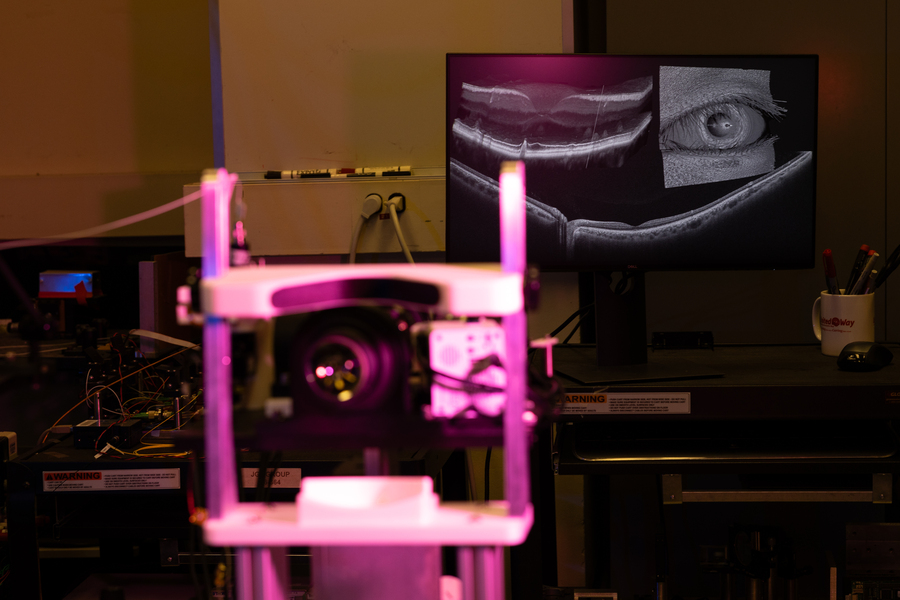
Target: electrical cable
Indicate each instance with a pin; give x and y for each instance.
(270, 476)
(44, 351)
(470, 475)
(662, 540)
(191, 492)
(92, 231)
(27, 304)
(371, 206)
(470, 387)
(158, 425)
(578, 313)
(396, 221)
(487, 475)
(121, 406)
(107, 386)
(574, 330)
(261, 472)
(201, 592)
(204, 566)
(229, 574)
(163, 338)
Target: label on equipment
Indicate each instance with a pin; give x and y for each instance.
(282, 478)
(112, 480)
(627, 403)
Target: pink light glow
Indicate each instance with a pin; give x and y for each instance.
(512, 216)
(323, 372)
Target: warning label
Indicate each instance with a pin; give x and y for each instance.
(630, 403)
(112, 480)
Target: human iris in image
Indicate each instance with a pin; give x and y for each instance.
(714, 123)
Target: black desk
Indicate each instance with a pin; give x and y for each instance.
(778, 419)
(771, 405)
(65, 494)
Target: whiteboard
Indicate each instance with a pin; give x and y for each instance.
(352, 84)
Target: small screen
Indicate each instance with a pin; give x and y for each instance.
(636, 162)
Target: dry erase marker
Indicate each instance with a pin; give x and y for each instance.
(302, 174)
(343, 175)
(401, 170)
(857, 266)
(870, 283)
(338, 173)
(863, 278)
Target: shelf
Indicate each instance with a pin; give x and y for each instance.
(452, 524)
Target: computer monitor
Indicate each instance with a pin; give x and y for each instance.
(636, 163)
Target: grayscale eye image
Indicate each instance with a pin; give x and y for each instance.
(554, 123)
(713, 124)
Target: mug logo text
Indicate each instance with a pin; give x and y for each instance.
(836, 322)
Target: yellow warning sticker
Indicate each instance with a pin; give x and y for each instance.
(112, 480)
(628, 403)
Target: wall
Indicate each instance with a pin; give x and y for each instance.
(852, 206)
(892, 178)
(106, 112)
(350, 84)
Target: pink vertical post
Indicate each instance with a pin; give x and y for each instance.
(270, 573)
(512, 259)
(465, 570)
(221, 470)
(489, 580)
(512, 216)
(244, 568)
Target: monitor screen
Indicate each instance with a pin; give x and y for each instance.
(636, 162)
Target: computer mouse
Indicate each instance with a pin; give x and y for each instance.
(864, 356)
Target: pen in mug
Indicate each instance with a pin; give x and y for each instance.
(857, 266)
(889, 265)
(870, 283)
(863, 278)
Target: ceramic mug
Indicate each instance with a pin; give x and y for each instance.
(838, 320)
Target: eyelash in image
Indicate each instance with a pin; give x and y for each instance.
(725, 126)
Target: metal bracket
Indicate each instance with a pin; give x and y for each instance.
(882, 486)
(168, 552)
(671, 489)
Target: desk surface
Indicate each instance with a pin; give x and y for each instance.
(778, 406)
(752, 382)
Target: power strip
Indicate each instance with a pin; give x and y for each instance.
(316, 216)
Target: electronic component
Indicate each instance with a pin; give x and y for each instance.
(407, 353)
(9, 446)
(464, 365)
(93, 434)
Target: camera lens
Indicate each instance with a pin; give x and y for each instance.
(336, 369)
(348, 361)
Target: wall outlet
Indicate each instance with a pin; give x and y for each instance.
(316, 216)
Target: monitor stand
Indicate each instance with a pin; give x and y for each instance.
(620, 354)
